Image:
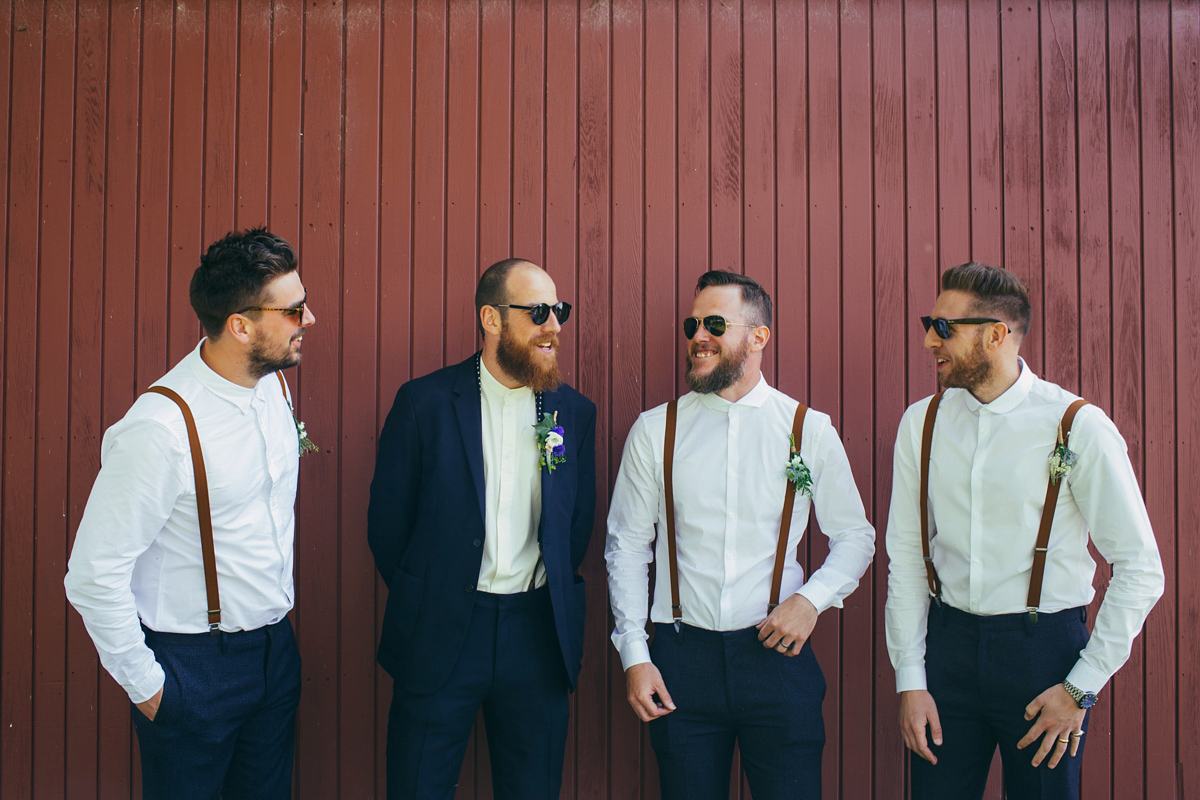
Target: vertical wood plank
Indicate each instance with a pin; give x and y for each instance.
(320, 245)
(1127, 688)
(595, 248)
(986, 80)
(1095, 304)
(953, 132)
(759, 157)
(356, 699)
(726, 122)
(529, 130)
(897, 330)
(467, 148)
(252, 129)
(220, 91)
(496, 123)
(1159, 348)
(1185, 72)
(858, 334)
(66, 193)
(396, 202)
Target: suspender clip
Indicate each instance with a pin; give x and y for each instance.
(1032, 615)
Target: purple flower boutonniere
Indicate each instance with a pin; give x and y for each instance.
(549, 436)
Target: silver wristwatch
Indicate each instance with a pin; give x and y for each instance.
(1084, 699)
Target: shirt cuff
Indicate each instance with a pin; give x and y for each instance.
(1087, 678)
(142, 690)
(911, 679)
(819, 595)
(635, 652)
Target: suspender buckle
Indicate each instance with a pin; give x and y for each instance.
(214, 628)
(1032, 614)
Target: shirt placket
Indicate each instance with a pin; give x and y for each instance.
(732, 492)
(273, 457)
(983, 427)
(508, 471)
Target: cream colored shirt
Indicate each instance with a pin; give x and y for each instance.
(513, 499)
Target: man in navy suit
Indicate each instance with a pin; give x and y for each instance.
(480, 515)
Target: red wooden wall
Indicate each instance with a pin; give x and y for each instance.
(841, 152)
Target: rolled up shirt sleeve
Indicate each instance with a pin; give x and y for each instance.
(139, 482)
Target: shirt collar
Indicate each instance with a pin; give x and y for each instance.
(227, 390)
(494, 388)
(752, 399)
(1012, 396)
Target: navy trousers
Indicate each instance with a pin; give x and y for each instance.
(982, 672)
(225, 727)
(511, 667)
(728, 688)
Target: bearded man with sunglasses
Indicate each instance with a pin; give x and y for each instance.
(998, 481)
(182, 564)
(728, 474)
(481, 510)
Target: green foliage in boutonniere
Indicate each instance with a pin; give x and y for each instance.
(306, 444)
(549, 435)
(1062, 459)
(796, 470)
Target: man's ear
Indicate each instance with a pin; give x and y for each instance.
(997, 335)
(489, 318)
(240, 327)
(759, 337)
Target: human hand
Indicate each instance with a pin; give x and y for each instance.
(646, 692)
(788, 627)
(1058, 716)
(918, 711)
(149, 708)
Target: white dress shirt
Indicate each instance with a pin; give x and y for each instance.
(137, 550)
(987, 486)
(729, 489)
(513, 499)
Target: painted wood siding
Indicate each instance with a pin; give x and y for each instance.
(842, 153)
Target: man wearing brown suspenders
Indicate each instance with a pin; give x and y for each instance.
(998, 481)
(728, 474)
(182, 564)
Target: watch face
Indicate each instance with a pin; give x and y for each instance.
(1087, 701)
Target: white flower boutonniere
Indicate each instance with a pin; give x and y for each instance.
(306, 444)
(796, 471)
(550, 443)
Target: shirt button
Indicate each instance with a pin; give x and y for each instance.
(469, 588)
(477, 542)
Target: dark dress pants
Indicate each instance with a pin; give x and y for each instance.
(511, 667)
(728, 688)
(225, 727)
(982, 672)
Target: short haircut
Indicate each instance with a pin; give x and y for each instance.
(234, 273)
(492, 289)
(998, 293)
(754, 296)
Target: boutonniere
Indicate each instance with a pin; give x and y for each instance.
(306, 444)
(549, 435)
(796, 470)
(1062, 459)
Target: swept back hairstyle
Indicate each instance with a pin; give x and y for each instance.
(998, 293)
(754, 296)
(492, 288)
(233, 273)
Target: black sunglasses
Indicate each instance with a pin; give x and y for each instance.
(541, 312)
(713, 323)
(942, 326)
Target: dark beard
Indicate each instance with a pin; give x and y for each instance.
(729, 370)
(518, 363)
(970, 372)
(261, 363)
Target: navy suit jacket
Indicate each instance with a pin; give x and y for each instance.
(426, 530)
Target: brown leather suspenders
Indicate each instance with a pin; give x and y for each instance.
(1037, 573)
(202, 505)
(785, 523)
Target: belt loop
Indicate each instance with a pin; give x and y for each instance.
(224, 642)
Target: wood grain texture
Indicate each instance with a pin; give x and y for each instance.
(844, 154)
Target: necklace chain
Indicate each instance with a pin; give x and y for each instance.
(537, 396)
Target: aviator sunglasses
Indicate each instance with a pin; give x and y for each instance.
(541, 312)
(942, 326)
(713, 323)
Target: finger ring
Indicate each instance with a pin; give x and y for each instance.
(784, 645)
(1077, 734)
(1063, 740)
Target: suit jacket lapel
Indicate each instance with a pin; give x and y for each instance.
(468, 409)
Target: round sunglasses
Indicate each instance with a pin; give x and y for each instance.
(713, 323)
(541, 312)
